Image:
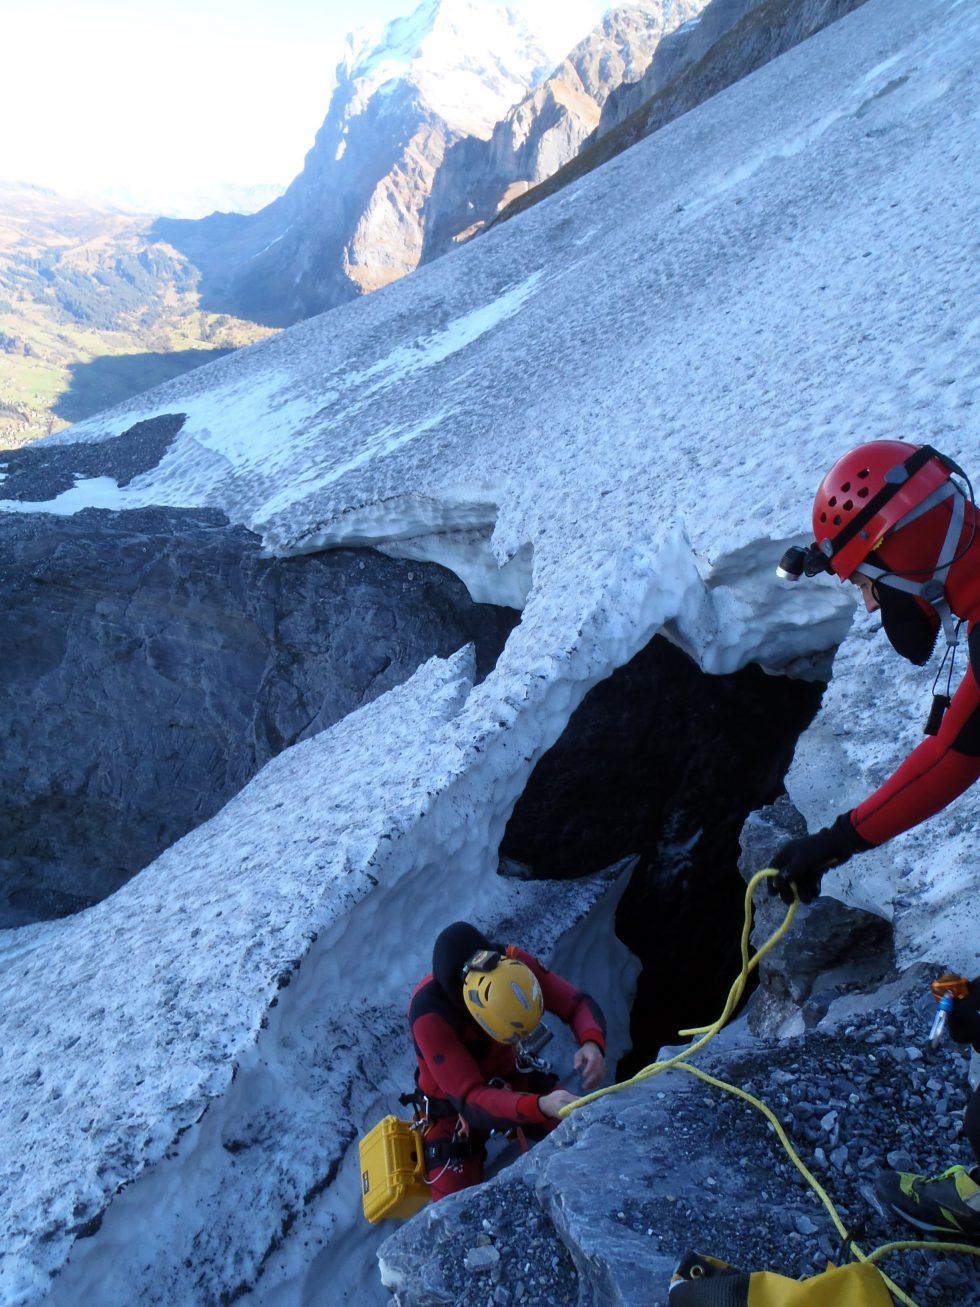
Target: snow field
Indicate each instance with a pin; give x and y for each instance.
(238, 1127)
(781, 274)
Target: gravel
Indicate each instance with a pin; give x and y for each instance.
(853, 1105)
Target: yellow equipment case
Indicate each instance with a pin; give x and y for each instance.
(392, 1171)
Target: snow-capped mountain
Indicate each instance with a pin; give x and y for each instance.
(542, 132)
(610, 412)
(468, 60)
(352, 221)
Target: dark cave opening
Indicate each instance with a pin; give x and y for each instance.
(665, 762)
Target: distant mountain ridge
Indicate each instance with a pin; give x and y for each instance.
(452, 119)
(352, 221)
(728, 41)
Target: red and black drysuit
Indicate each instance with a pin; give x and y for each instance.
(964, 1028)
(939, 769)
(469, 1078)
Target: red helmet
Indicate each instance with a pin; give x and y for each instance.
(868, 493)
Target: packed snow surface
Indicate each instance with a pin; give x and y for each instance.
(613, 411)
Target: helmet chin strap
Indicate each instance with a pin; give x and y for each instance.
(932, 590)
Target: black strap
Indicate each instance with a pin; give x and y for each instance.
(435, 1109)
(888, 491)
(441, 1151)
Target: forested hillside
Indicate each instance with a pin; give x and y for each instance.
(92, 311)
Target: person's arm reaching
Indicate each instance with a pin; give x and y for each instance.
(935, 773)
(578, 1010)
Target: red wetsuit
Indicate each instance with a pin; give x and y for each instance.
(934, 773)
(467, 1075)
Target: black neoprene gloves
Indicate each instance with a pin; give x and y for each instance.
(802, 862)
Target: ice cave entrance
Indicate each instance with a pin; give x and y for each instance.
(665, 762)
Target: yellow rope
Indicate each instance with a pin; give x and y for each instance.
(927, 1245)
(800, 1165)
(707, 1032)
(680, 1062)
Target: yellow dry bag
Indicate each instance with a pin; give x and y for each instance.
(706, 1282)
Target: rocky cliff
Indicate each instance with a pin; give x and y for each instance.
(537, 136)
(154, 661)
(352, 221)
(727, 41)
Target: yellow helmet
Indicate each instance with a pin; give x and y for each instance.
(502, 995)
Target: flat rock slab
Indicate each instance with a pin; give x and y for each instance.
(154, 660)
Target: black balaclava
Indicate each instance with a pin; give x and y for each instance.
(453, 949)
(909, 628)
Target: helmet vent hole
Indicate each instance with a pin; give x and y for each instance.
(863, 492)
(848, 505)
(823, 517)
(832, 501)
(845, 487)
(837, 519)
(863, 474)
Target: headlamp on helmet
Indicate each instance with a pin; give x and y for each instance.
(873, 492)
(800, 560)
(502, 996)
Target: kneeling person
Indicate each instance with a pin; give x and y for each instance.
(466, 1018)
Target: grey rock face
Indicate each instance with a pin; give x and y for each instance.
(729, 40)
(40, 472)
(539, 135)
(828, 944)
(348, 224)
(153, 661)
(600, 1212)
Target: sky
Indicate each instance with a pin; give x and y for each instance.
(128, 96)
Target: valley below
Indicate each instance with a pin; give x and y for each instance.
(93, 310)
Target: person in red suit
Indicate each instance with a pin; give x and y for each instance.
(467, 1020)
(890, 518)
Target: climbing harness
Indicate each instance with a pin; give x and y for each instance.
(397, 1160)
(941, 701)
(680, 1062)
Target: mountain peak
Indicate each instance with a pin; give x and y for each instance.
(470, 59)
